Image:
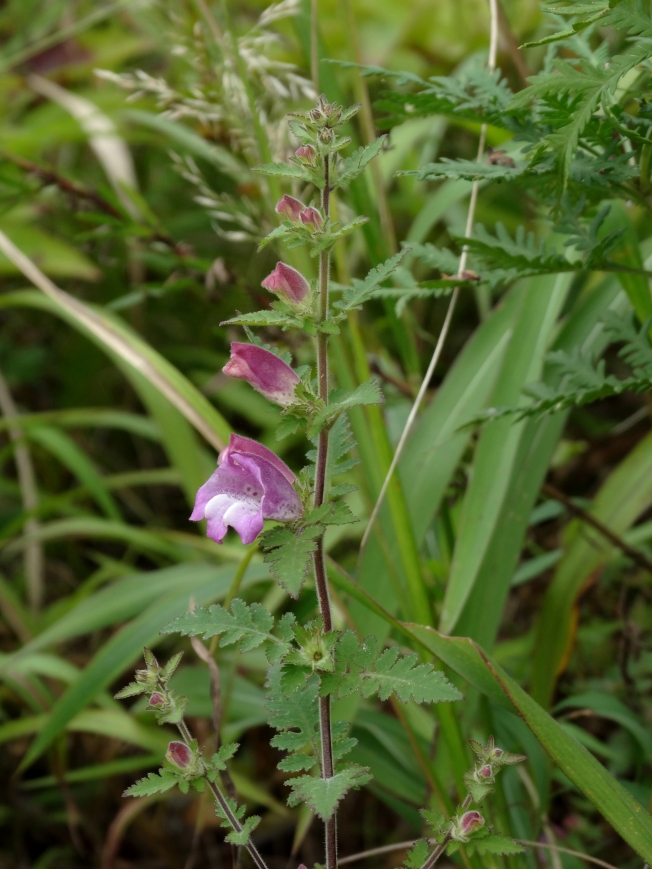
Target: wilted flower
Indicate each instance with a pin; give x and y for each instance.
(289, 207)
(263, 369)
(250, 484)
(463, 828)
(311, 217)
(287, 283)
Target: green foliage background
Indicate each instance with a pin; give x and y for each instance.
(96, 553)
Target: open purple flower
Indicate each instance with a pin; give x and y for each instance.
(268, 374)
(287, 283)
(250, 484)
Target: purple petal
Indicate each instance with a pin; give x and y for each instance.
(289, 207)
(246, 518)
(288, 283)
(252, 449)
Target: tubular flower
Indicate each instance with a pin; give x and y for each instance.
(268, 374)
(311, 217)
(289, 207)
(250, 484)
(287, 283)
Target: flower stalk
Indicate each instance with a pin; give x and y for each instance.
(222, 801)
(321, 582)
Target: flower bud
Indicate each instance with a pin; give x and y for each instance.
(463, 828)
(311, 217)
(157, 699)
(287, 283)
(268, 374)
(179, 754)
(289, 207)
(485, 772)
(306, 153)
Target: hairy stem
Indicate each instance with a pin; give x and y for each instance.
(441, 847)
(222, 802)
(321, 583)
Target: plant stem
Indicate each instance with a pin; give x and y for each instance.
(441, 847)
(221, 800)
(321, 582)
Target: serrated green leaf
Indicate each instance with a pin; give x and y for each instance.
(355, 164)
(241, 838)
(493, 845)
(296, 717)
(224, 753)
(340, 400)
(408, 680)
(416, 856)
(130, 690)
(247, 625)
(332, 513)
(284, 170)
(289, 553)
(154, 783)
(328, 239)
(355, 296)
(298, 763)
(265, 318)
(323, 794)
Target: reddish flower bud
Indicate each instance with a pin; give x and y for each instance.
(179, 754)
(289, 207)
(485, 772)
(464, 827)
(287, 283)
(308, 154)
(157, 699)
(268, 374)
(311, 217)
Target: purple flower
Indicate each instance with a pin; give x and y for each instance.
(287, 283)
(311, 217)
(268, 374)
(289, 207)
(250, 484)
(179, 754)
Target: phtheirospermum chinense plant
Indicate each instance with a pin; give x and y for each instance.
(311, 664)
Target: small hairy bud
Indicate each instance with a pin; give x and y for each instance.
(311, 217)
(485, 772)
(289, 207)
(463, 827)
(157, 699)
(308, 155)
(179, 754)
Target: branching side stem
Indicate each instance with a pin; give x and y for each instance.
(441, 847)
(221, 800)
(321, 583)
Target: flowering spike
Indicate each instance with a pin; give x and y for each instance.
(250, 484)
(268, 374)
(287, 283)
(311, 217)
(289, 207)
